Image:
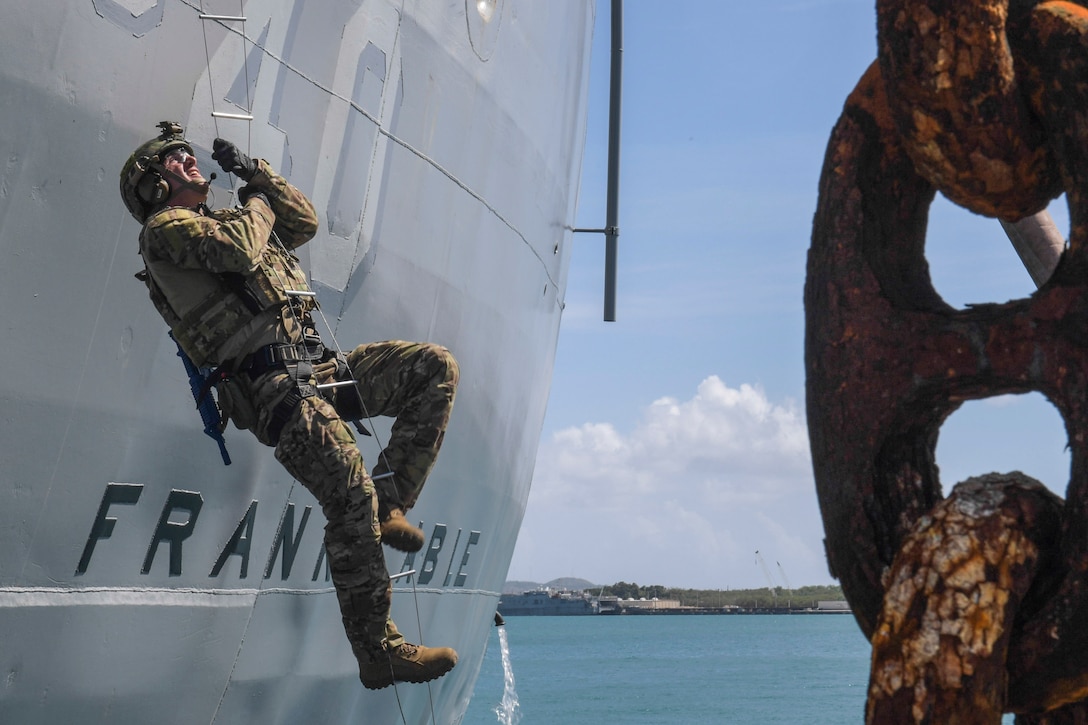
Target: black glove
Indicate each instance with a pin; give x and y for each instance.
(249, 191)
(233, 161)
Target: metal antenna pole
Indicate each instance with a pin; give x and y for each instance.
(611, 229)
(612, 208)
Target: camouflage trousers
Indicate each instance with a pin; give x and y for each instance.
(416, 383)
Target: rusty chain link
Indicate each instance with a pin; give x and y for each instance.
(976, 604)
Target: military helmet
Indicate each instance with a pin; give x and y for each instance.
(142, 186)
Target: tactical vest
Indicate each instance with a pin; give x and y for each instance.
(226, 302)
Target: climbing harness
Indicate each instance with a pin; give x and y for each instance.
(300, 360)
(983, 101)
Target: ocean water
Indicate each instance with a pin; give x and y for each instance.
(745, 669)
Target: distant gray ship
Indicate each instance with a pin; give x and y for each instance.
(546, 603)
(141, 580)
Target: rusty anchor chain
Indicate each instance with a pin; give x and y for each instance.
(976, 604)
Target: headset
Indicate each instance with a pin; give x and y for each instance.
(152, 189)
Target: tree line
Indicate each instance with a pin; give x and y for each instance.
(806, 596)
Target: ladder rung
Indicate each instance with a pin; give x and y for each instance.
(388, 474)
(299, 293)
(342, 384)
(236, 116)
(402, 574)
(228, 18)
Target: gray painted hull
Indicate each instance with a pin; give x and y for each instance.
(141, 580)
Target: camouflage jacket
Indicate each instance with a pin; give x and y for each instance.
(219, 278)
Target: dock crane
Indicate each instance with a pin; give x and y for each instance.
(770, 581)
(789, 589)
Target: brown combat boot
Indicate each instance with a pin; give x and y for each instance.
(407, 663)
(398, 533)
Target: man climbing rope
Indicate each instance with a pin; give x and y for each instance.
(237, 301)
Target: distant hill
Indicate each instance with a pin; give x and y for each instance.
(572, 584)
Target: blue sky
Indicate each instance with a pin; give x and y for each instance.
(675, 444)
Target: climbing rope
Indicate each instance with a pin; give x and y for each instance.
(975, 604)
(225, 20)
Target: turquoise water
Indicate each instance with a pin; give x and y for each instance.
(810, 669)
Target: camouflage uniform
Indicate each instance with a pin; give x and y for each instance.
(200, 264)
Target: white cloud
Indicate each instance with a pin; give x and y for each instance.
(684, 499)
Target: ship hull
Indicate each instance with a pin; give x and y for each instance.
(141, 580)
